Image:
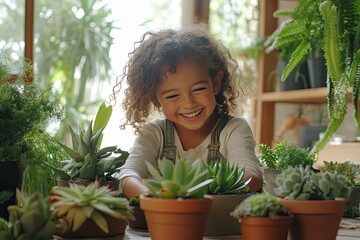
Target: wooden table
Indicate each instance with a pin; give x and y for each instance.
(349, 230)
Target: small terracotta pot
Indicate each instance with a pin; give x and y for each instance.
(253, 228)
(315, 219)
(176, 219)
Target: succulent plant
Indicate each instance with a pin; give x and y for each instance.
(77, 203)
(349, 169)
(88, 162)
(182, 179)
(301, 183)
(31, 220)
(260, 205)
(284, 154)
(228, 178)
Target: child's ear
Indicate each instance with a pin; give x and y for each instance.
(218, 81)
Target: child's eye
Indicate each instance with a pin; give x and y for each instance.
(171, 97)
(199, 89)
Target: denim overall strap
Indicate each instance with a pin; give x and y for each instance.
(169, 148)
(214, 153)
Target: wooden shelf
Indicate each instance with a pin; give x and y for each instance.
(314, 95)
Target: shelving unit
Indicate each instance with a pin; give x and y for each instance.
(268, 96)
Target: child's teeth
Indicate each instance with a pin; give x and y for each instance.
(191, 115)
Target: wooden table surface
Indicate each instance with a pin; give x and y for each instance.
(349, 230)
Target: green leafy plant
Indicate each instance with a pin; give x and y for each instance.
(183, 179)
(5, 195)
(228, 178)
(260, 205)
(134, 201)
(284, 154)
(301, 183)
(333, 25)
(349, 169)
(32, 219)
(88, 162)
(77, 203)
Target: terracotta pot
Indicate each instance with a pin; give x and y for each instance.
(140, 222)
(315, 219)
(176, 219)
(253, 228)
(90, 230)
(219, 222)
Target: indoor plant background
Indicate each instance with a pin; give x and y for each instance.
(26, 110)
(336, 25)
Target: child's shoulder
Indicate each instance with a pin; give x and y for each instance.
(237, 122)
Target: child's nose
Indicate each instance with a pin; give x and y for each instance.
(189, 101)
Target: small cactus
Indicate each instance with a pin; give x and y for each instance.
(183, 179)
(228, 178)
(301, 183)
(31, 220)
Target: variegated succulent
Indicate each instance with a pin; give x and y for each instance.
(77, 203)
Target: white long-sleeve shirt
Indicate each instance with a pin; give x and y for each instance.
(237, 145)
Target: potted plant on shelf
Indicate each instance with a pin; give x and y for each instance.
(335, 24)
(26, 109)
(91, 211)
(140, 222)
(88, 162)
(263, 216)
(317, 201)
(175, 207)
(351, 171)
(31, 219)
(279, 157)
(227, 190)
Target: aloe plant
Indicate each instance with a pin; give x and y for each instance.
(31, 219)
(78, 203)
(228, 178)
(88, 162)
(335, 24)
(182, 179)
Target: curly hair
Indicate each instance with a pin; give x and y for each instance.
(144, 70)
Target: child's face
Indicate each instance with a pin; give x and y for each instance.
(187, 97)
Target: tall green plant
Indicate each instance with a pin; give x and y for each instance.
(335, 26)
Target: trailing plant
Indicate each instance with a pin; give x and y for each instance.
(333, 24)
(88, 162)
(260, 205)
(228, 178)
(284, 154)
(301, 183)
(349, 169)
(182, 179)
(77, 203)
(33, 219)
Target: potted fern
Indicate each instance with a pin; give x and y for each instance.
(263, 216)
(227, 190)
(91, 211)
(88, 161)
(317, 201)
(26, 109)
(336, 25)
(175, 206)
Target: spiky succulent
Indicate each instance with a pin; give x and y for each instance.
(228, 178)
(260, 205)
(302, 183)
(88, 162)
(31, 220)
(77, 203)
(183, 179)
